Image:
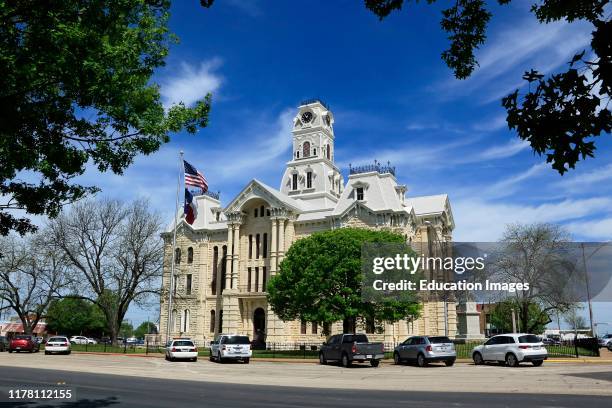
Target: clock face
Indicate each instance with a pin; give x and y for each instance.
(306, 117)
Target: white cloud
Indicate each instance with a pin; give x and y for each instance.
(191, 83)
(479, 220)
(509, 149)
(600, 229)
(585, 180)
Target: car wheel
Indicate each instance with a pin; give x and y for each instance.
(421, 362)
(10, 351)
(511, 360)
(219, 358)
(396, 358)
(194, 359)
(374, 363)
(247, 360)
(345, 361)
(46, 353)
(31, 351)
(210, 357)
(610, 347)
(68, 352)
(477, 357)
(322, 359)
(449, 363)
(537, 363)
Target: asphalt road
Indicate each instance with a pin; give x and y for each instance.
(100, 390)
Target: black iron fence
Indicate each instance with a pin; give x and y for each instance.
(583, 347)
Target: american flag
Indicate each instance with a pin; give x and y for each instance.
(194, 178)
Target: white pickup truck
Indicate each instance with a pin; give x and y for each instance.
(230, 347)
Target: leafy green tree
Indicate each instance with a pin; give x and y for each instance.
(320, 280)
(76, 88)
(536, 318)
(144, 328)
(72, 316)
(126, 330)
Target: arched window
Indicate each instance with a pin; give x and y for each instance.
(294, 181)
(314, 151)
(297, 154)
(220, 321)
(173, 321)
(328, 152)
(214, 270)
(177, 256)
(212, 321)
(257, 246)
(189, 255)
(264, 249)
(261, 210)
(185, 327)
(255, 213)
(309, 179)
(306, 149)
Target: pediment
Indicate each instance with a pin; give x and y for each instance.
(256, 189)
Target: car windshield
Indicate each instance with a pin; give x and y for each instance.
(182, 343)
(237, 340)
(55, 339)
(530, 338)
(439, 340)
(22, 337)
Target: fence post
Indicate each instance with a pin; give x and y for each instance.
(124, 347)
(576, 346)
(105, 347)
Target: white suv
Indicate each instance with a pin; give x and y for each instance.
(511, 348)
(231, 347)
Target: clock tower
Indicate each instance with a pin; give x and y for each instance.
(311, 175)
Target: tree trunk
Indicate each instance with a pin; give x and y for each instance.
(349, 325)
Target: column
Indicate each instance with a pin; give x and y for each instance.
(235, 256)
(281, 239)
(273, 249)
(229, 257)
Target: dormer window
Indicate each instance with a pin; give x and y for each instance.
(294, 181)
(309, 179)
(359, 193)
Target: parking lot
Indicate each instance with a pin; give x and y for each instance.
(551, 378)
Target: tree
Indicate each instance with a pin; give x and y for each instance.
(501, 317)
(32, 273)
(76, 88)
(536, 255)
(126, 330)
(73, 316)
(320, 280)
(144, 328)
(115, 250)
(575, 320)
(558, 116)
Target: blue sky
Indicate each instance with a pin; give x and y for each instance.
(393, 99)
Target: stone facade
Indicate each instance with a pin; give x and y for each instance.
(223, 260)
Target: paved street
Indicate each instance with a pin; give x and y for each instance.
(103, 380)
(98, 390)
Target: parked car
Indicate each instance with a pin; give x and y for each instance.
(131, 340)
(91, 341)
(231, 347)
(605, 340)
(57, 344)
(78, 340)
(181, 349)
(610, 346)
(349, 348)
(24, 342)
(426, 349)
(511, 349)
(4, 343)
(548, 341)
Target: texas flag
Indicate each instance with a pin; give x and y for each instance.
(191, 208)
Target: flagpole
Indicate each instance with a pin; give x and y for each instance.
(171, 290)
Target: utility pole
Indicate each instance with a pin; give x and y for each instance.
(513, 321)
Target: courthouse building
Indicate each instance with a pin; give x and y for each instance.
(233, 250)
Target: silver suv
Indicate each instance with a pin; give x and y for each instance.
(426, 349)
(512, 349)
(230, 347)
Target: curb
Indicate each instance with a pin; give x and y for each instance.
(316, 361)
